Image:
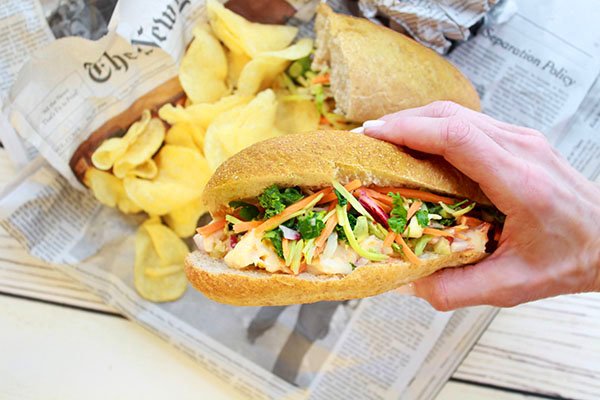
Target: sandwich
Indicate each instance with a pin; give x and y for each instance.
(332, 215)
(374, 71)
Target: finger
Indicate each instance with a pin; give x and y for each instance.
(437, 109)
(444, 109)
(459, 142)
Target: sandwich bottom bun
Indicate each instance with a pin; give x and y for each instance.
(254, 287)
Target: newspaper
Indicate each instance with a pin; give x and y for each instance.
(535, 70)
(581, 142)
(23, 30)
(390, 346)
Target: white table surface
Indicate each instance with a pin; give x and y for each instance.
(57, 341)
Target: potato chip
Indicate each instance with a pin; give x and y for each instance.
(111, 149)
(242, 36)
(203, 69)
(260, 72)
(235, 64)
(201, 114)
(182, 174)
(159, 261)
(240, 127)
(187, 135)
(109, 190)
(146, 170)
(141, 150)
(295, 116)
(184, 220)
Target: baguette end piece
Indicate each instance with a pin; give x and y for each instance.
(376, 71)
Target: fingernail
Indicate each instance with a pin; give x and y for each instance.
(375, 123)
(408, 289)
(360, 129)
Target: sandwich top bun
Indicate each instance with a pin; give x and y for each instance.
(376, 71)
(314, 159)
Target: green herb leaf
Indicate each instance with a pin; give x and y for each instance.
(246, 211)
(353, 266)
(341, 199)
(274, 201)
(291, 195)
(397, 221)
(275, 236)
(311, 224)
(422, 217)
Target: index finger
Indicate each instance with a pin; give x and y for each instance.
(460, 142)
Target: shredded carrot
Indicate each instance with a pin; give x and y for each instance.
(303, 267)
(245, 226)
(412, 210)
(408, 253)
(389, 239)
(416, 194)
(437, 232)
(384, 198)
(285, 246)
(219, 214)
(355, 184)
(460, 236)
(470, 221)
(324, 121)
(328, 199)
(275, 221)
(332, 205)
(329, 227)
(321, 79)
(211, 228)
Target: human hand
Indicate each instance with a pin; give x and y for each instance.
(550, 243)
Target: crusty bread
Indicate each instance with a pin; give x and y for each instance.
(377, 71)
(315, 159)
(258, 288)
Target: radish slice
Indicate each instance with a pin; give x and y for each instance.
(373, 208)
(289, 233)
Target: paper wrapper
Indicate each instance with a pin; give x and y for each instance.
(434, 23)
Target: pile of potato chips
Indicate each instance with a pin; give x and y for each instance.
(161, 165)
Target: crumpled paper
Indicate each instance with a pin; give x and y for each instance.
(434, 23)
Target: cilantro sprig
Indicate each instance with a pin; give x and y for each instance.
(397, 221)
(275, 200)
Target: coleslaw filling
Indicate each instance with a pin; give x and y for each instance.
(300, 82)
(343, 227)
